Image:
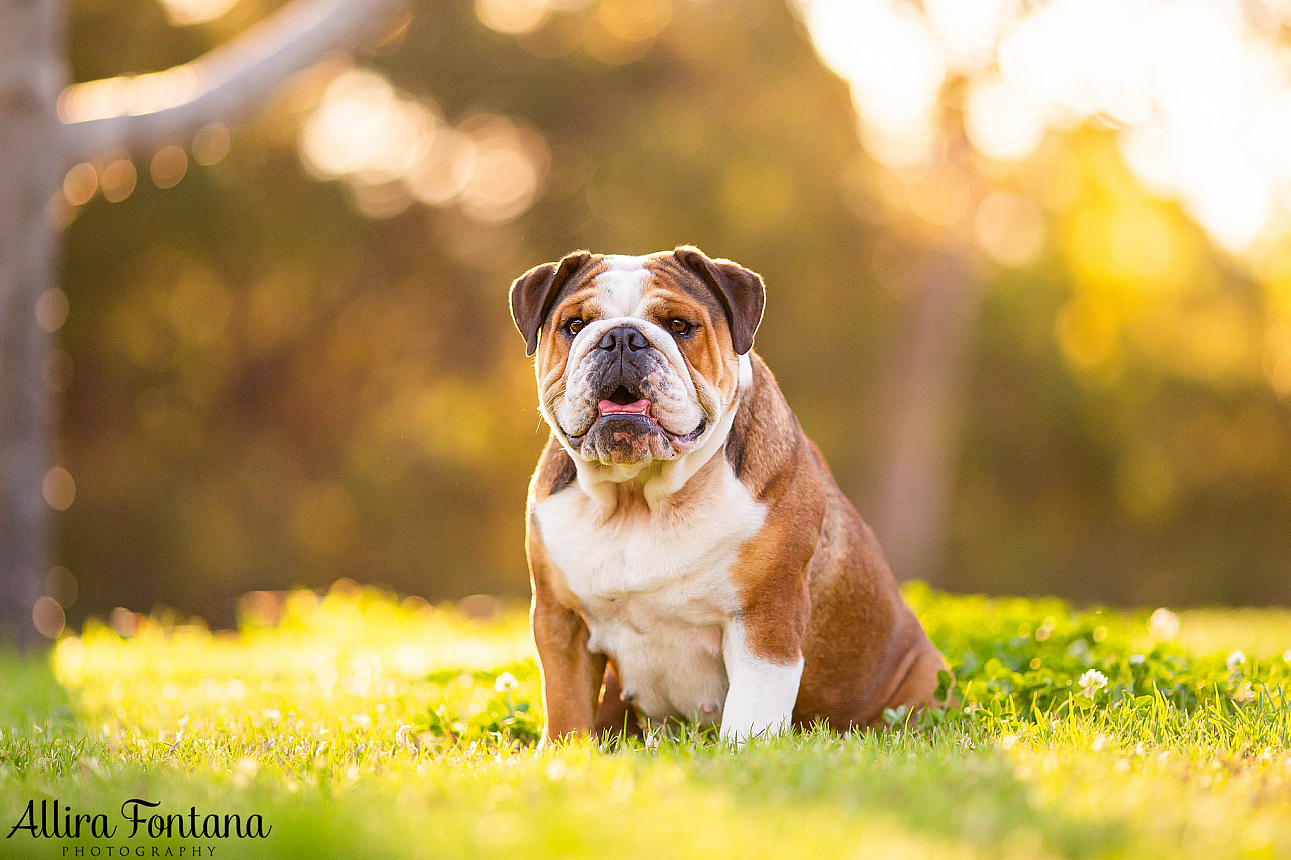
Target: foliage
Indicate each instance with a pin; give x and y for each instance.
(1038, 661)
(266, 387)
(302, 392)
(358, 725)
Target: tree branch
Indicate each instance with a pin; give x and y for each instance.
(145, 112)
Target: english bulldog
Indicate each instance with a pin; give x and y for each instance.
(690, 553)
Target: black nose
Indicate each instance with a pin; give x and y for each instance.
(623, 338)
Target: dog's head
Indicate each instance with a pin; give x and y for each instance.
(639, 358)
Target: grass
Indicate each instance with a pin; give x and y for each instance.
(357, 726)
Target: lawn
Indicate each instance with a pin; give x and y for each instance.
(355, 725)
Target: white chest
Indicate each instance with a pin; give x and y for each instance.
(656, 589)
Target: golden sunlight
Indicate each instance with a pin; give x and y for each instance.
(512, 16)
(393, 149)
(894, 65)
(186, 12)
(1198, 93)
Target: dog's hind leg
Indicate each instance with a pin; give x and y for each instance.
(615, 716)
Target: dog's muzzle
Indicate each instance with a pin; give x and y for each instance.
(621, 360)
(623, 372)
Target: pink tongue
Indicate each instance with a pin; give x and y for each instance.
(609, 407)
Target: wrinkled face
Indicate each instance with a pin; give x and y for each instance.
(636, 361)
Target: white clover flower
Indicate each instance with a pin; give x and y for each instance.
(506, 683)
(1091, 682)
(1235, 659)
(404, 735)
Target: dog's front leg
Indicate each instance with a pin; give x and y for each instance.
(571, 675)
(763, 684)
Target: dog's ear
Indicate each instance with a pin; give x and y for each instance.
(534, 292)
(741, 292)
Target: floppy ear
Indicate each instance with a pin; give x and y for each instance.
(534, 292)
(741, 291)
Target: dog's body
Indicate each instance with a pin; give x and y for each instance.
(690, 552)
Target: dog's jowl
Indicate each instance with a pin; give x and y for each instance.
(691, 554)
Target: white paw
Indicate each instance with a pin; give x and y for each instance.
(762, 693)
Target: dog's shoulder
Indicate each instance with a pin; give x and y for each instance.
(555, 472)
(765, 440)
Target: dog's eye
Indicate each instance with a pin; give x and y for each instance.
(574, 326)
(680, 326)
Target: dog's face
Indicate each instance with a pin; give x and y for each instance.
(638, 357)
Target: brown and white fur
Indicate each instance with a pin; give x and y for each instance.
(690, 553)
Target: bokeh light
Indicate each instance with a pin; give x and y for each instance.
(211, 143)
(80, 184)
(444, 170)
(506, 172)
(968, 32)
(393, 149)
(1198, 92)
(129, 94)
(58, 488)
(168, 166)
(512, 16)
(634, 20)
(48, 617)
(61, 585)
(895, 68)
(1010, 228)
(118, 180)
(1001, 122)
(187, 12)
(362, 127)
(52, 309)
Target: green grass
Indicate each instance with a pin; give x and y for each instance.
(357, 726)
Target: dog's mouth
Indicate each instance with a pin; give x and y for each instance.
(622, 402)
(626, 409)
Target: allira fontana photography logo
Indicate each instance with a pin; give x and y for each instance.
(138, 819)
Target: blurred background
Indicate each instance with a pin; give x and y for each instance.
(1029, 286)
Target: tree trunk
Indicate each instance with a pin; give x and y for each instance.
(32, 72)
(923, 393)
(36, 147)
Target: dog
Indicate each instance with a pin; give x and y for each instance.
(690, 553)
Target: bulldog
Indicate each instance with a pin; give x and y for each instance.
(690, 553)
